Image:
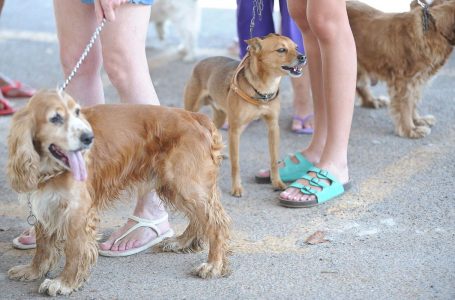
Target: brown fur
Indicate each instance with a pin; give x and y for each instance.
(136, 148)
(210, 85)
(393, 47)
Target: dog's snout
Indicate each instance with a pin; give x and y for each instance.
(87, 138)
(301, 58)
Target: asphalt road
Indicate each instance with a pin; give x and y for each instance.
(392, 236)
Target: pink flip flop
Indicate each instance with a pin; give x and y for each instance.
(5, 108)
(303, 130)
(17, 89)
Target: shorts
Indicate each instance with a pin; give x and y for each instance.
(143, 2)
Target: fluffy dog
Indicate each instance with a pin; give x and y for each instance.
(245, 91)
(74, 162)
(185, 16)
(404, 50)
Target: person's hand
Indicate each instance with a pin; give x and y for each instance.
(106, 8)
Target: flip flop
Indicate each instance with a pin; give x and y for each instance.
(303, 129)
(5, 108)
(328, 191)
(291, 170)
(140, 223)
(17, 89)
(21, 246)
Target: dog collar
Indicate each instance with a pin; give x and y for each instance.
(259, 99)
(426, 16)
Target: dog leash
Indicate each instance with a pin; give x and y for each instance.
(84, 55)
(426, 16)
(258, 6)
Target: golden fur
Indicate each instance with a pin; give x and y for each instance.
(394, 48)
(136, 148)
(210, 84)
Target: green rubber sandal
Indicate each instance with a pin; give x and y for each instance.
(328, 191)
(291, 170)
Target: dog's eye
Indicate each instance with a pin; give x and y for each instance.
(282, 50)
(57, 119)
(77, 112)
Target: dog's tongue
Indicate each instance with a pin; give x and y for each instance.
(77, 165)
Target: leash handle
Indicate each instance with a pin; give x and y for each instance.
(84, 55)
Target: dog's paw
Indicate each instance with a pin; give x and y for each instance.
(381, 101)
(24, 273)
(54, 287)
(176, 245)
(427, 120)
(237, 191)
(210, 270)
(415, 133)
(279, 185)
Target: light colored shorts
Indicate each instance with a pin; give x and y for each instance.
(143, 2)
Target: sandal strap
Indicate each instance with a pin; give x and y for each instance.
(143, 223)
(302, 120)
(315, 181)
(328, 190)
(291, 170)
(303, 188)
(322, 174)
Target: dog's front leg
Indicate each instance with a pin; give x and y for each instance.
(235, 130)
(402, 110)
(81, 253)
(366, 97)
(274, 143)
(46, 257)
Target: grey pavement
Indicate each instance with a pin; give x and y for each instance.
(392, 236)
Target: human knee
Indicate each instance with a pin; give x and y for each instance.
(297, 11)
(117, 67)
(323, 27)
(90, 66)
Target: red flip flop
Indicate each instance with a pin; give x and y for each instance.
(5, 108)
(17, 90)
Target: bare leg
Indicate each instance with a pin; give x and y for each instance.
(302, 102)
(126, 66)
(332, 62)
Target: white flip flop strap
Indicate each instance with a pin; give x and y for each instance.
(143, 223)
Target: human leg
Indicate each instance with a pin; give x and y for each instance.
(75, 25)
(302, 103)
(333, 69)
(126, 66)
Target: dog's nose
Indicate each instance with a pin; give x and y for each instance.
(87, 138)
(301, 58)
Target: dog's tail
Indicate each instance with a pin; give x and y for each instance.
(192, 94)
(216, 140)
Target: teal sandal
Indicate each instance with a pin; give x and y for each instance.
(328, 191)
(291, 170)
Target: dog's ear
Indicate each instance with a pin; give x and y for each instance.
(444, 18)
(23, 160)
(254, 45)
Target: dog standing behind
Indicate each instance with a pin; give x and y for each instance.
(185, 16)
(398, 49)
(74, 163)
(245, 91)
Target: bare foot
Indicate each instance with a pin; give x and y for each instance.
(295, 194)
(27, 239)
(135, 239)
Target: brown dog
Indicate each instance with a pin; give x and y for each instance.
(245, 91)
(72, 163)
(404, 50)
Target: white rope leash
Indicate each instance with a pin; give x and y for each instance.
(84, 55)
